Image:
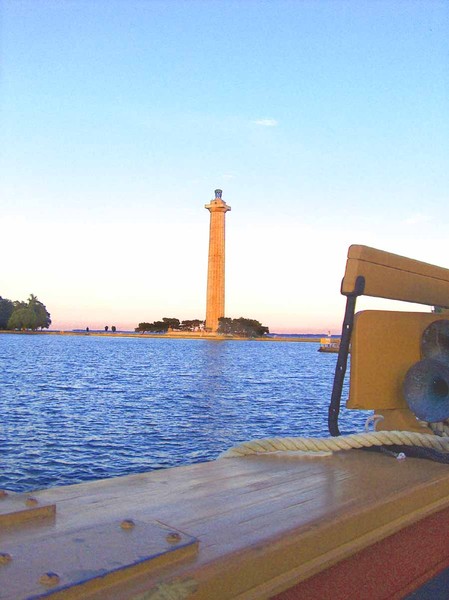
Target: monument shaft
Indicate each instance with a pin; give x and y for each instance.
(215, 305)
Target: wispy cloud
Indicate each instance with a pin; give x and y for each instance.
(417, 219)
(228, 176)
(266, 122)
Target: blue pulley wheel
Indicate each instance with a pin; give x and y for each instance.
(426, 390)
(435, 341)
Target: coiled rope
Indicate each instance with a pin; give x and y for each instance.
(439, 442)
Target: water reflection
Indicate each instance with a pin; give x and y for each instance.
(80, 408)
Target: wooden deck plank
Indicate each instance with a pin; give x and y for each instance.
(288, 478)
(277, 518)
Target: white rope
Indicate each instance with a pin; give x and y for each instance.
(334, 444)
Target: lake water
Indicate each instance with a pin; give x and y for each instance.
(77, 408)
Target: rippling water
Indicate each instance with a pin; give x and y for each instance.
(76, 408)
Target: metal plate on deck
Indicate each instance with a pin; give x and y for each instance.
(20, 508)
(90, 557)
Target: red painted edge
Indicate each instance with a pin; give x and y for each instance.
(389, 569)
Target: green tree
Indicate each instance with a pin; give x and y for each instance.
(23, 318)
(159, 327)
(143, 327)
(43, 319)
(225, 325)
(29, 315)
(19, 304)
(171, 322)
(241, 327)
(6, 310)
(156, 327)
(191, 325)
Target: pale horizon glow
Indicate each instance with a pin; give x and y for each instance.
(326, 124)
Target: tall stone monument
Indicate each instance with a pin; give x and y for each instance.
(215, 305)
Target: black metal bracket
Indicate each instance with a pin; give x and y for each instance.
(342, 361)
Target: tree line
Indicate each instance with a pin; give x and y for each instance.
(17, 314)
(226, 326)
(241, 327)
(170, 323)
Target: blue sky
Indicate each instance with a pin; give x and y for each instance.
(325, 123)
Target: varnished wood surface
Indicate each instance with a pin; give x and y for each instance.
(263, 522)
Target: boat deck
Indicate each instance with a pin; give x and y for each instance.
(249, 527)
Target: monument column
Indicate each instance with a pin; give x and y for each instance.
(215, 304)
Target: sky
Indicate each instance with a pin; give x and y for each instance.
(325, 123)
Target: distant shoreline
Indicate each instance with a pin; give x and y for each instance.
(177, 335)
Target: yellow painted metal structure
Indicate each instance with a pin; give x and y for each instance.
(396, 277)
(385, 344)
